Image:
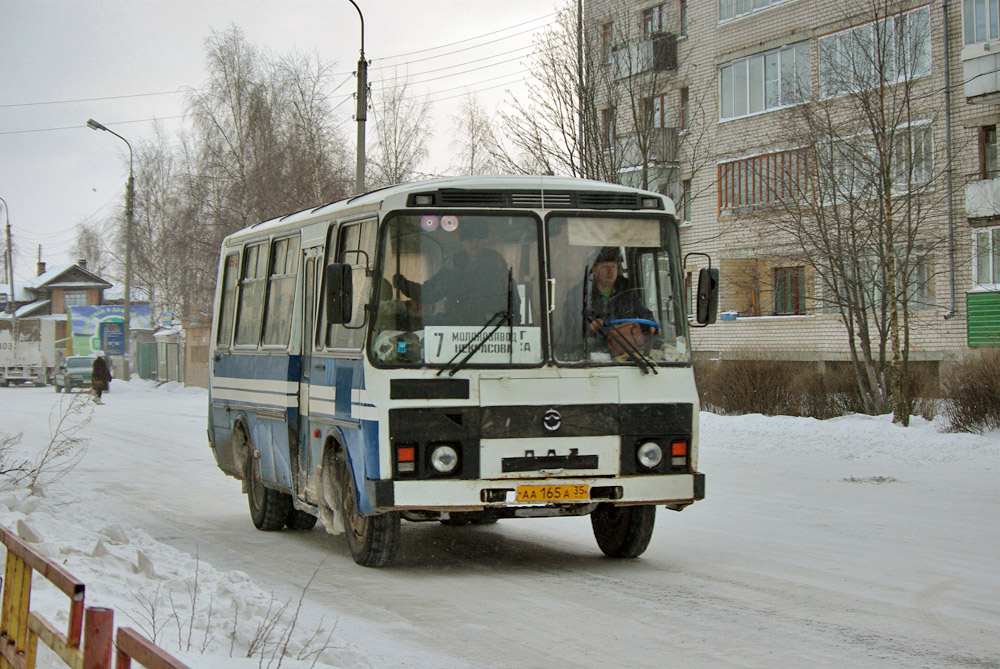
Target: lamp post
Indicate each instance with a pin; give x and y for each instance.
(362, 112)
(10, 259)
(129, 194)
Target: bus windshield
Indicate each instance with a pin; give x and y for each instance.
(455, 284)
(618, 298)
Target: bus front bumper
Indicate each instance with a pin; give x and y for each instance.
(673, 490)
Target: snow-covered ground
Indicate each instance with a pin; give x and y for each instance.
(850, 542)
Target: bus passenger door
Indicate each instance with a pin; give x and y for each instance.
(309, 280)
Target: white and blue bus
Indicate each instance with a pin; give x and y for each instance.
(460, 350)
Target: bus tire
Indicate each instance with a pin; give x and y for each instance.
(301, 520)
(373, 540)
(623, 531)
(269, 509)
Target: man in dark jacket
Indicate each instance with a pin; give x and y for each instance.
(610, 297)
(473, 283)
(100, 377)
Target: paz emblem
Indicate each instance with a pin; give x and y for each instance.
(552, 420)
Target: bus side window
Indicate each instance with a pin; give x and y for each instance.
(230, 277)
(281, 291)
(251, 300)
(354, 238)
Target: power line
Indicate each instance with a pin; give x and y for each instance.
(469, 39)
(183, 89)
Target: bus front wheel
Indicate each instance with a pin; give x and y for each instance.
(623, 531)
(373, 540)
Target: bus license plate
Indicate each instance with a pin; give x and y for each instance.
(552, 493)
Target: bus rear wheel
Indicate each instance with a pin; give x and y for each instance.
(373, 540)
(269, 509)
(623, 531)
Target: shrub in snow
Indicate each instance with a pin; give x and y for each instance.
(970, 389)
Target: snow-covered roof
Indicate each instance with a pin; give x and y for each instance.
(167, 332)
(49, 278)
(28, 308)
(116, 293)
(21, 296)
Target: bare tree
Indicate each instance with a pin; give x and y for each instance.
(402, 124)
(90, 246)
(864, 217)
(474, 134)
(264, 142)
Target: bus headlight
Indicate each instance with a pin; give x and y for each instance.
(444, 459)
(649, 454)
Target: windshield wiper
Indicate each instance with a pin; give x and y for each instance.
(644, 363)
(496, 321)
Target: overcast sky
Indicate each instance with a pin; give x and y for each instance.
(125, 62)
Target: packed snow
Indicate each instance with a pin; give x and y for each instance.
(848, 542)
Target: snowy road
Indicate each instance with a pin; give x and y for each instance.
(820, 544)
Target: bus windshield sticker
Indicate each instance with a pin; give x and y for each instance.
(441, 343)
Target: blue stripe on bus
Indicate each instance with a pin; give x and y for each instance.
(263, 367)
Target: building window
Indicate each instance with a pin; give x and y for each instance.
(986, 251)
(731, 9)
(654, 20)
(607, 41)
(888, 51)
(607, 128)
(685, 109)
(854, 167)
(980, 20)
(683, 12)
(656, 109)
(988, 152)
(789, 291)
(764, 81)
(763, 180)
(684, 211)
(75, 298)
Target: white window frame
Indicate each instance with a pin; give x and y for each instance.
(986, 259)
(980, 21)
(735, 9)
(765, 81)
(847, 51)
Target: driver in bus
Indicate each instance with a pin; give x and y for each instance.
(611, 297)
(473, 283)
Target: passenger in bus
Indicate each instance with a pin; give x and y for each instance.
(472, 286)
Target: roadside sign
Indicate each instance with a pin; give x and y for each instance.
(3, 301)
(112, 335)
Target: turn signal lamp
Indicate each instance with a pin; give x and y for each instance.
(678, 453)
(406, 458)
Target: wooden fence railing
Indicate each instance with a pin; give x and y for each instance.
(21, 628)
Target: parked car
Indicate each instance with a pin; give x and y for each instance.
(74, 372)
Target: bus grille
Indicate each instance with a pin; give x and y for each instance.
(533, 199)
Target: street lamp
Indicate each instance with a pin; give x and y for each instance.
(129, 194)
(10, 258)
(362, 112)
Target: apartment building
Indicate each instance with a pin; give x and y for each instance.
(757, 116)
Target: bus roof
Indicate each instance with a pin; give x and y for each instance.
(488, 192)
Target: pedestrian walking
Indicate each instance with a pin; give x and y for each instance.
(100, 377)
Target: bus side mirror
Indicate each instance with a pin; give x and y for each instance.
(708, 296)
(339, 293)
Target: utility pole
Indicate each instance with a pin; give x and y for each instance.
(10, 260)
(579, 74)
(362, 112)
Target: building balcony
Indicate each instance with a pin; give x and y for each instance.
(657, 54)
(982, 198)
(662, 147)
(981, 72)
